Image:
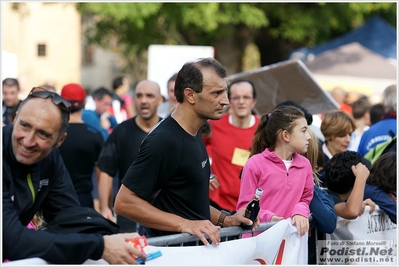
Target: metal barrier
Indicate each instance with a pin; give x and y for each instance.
(225, 233)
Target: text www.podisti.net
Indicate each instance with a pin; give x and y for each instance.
(352, 252)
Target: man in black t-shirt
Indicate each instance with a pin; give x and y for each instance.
(122, 147)
(82, 147)
(166, 189)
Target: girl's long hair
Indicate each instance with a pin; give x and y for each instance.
(271, 124)
(313, 155)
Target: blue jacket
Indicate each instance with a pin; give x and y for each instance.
(92, 118)
(322, 209)
(324, 218)
(382, 199)
(377, 133)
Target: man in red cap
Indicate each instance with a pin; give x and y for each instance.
(82, 146)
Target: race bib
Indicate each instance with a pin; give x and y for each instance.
(240, 156)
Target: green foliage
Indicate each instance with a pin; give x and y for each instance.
(314, 23)
(121, 12)
(130, 27)
(124, 25)
(209, 16)
(310, 23)
(152, 22)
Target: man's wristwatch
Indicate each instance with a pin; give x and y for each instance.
(222, 216)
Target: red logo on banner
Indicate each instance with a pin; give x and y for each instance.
(280, 253)
(261, 261)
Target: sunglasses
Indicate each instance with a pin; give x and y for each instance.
(58, 100)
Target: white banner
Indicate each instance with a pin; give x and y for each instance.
(280, 244)
(370, 239)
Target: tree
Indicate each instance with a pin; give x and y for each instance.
(276, 28)
(295, 25)
(131, 27)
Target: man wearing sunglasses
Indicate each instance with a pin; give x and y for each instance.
(36, 179)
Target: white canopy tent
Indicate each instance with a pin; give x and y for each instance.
(353, 68)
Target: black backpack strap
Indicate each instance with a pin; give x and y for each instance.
(391, 146)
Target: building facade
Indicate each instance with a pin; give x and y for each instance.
(46, 39)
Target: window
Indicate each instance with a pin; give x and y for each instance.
(88, 53)
(41, 50)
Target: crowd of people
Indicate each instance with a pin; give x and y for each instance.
(188, 165)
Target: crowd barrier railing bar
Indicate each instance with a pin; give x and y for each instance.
(225, 233)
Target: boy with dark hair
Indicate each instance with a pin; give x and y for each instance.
(381, 184)
(346, 176)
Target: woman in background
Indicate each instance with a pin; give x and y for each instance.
(337, 127)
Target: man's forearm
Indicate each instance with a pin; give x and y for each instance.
(104, 189)
(355, 199)
(131, 206)
(215, 213)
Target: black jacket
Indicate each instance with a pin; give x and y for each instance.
(54, 191)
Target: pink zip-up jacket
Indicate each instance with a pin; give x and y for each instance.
(285, 193)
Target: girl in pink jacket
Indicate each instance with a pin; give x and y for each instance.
(276, 166)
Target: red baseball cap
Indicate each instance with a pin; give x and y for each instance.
(74, 93)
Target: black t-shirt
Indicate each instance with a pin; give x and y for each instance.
(175, 162)
(80, 152)
(121, 148)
